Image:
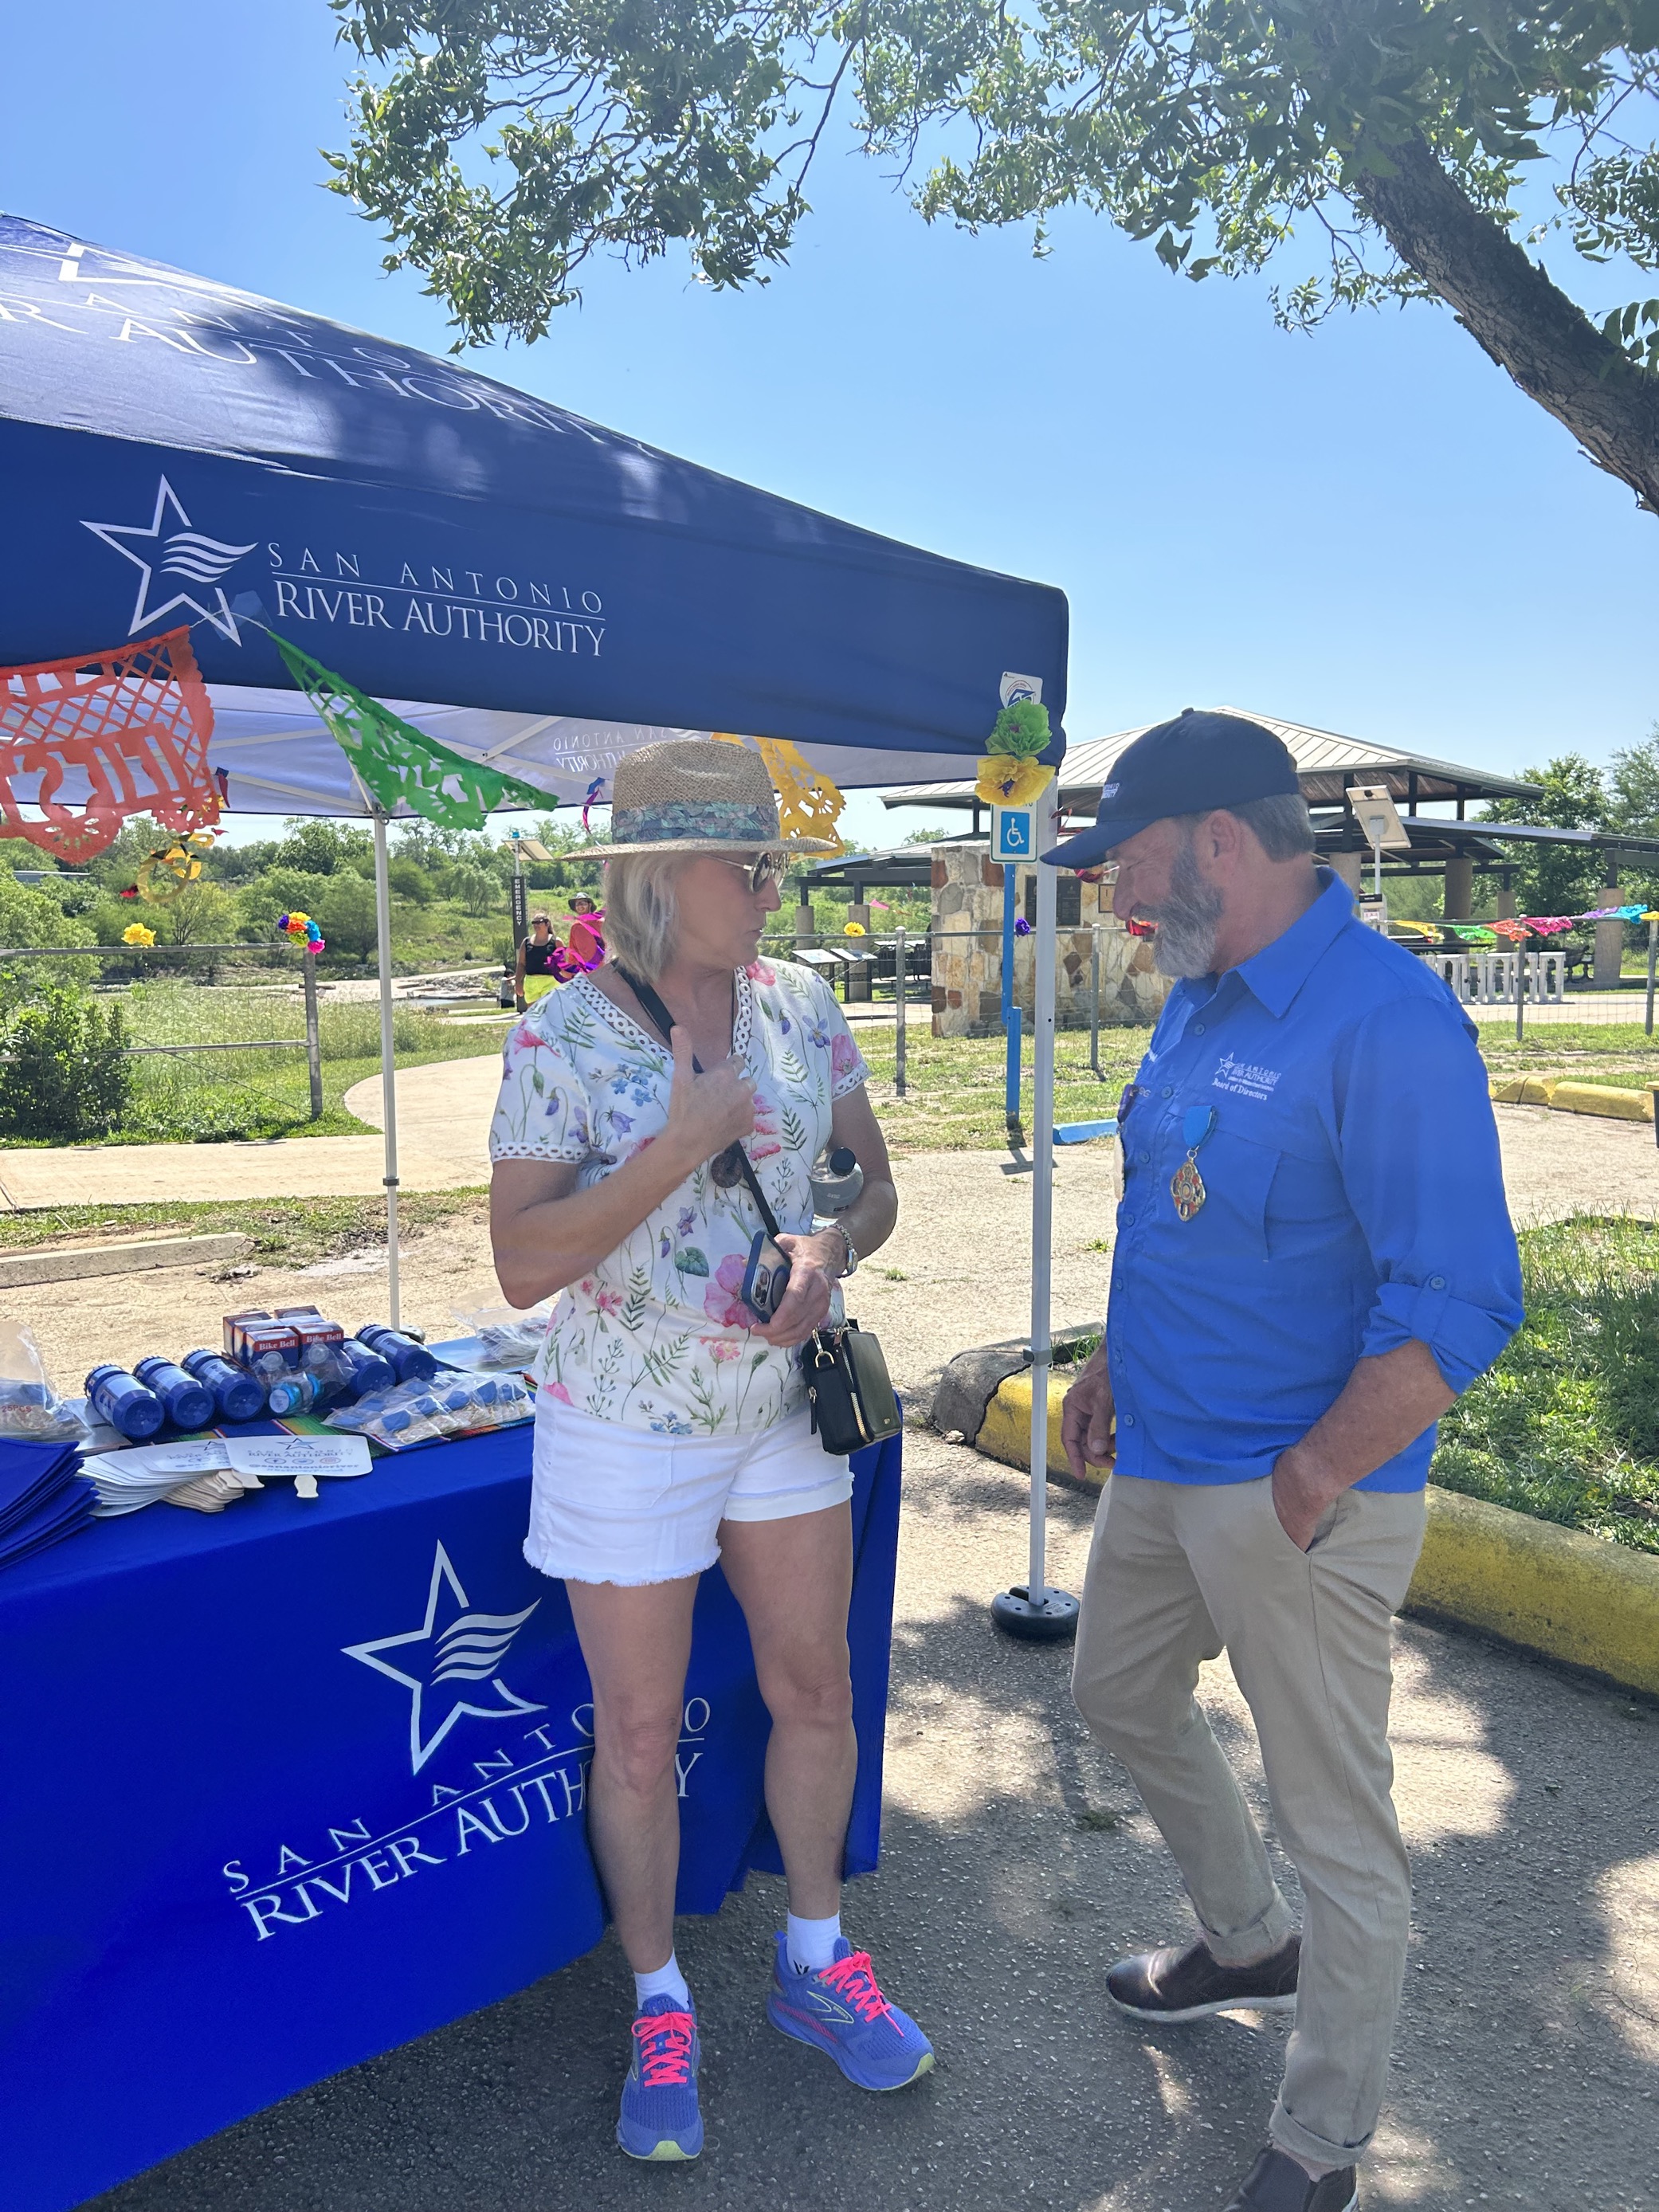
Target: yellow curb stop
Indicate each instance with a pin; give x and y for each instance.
(1578, 1599)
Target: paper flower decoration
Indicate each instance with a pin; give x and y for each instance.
(1009, 775)
(1022, 927)
(1003, 780)
(854, 929)
(136, 934)
(303, 929)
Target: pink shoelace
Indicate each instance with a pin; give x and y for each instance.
(664, 2041)
(853, 1979)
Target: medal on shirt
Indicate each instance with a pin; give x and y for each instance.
(1186, 1184)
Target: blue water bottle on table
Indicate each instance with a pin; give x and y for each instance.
(237, 1395)
(122, 1400)
(412, 1362)
(189, 1406)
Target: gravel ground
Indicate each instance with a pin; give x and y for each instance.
(956, 1273)
(1017, 1864)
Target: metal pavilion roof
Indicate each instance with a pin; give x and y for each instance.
(1327, 763)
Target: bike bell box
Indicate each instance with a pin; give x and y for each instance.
(1013, 833)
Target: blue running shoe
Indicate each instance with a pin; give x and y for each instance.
(659, 2120)
(841, 2012)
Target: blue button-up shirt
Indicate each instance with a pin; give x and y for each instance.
(1354, 1200)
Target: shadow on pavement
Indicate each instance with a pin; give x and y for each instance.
(1017, 1865)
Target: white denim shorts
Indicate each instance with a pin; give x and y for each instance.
(616, 1504)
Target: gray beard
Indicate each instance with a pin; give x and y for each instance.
(1188, 921)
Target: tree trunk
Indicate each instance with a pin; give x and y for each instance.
(1548, 344)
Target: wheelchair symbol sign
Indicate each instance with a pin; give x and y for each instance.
(1012, 833)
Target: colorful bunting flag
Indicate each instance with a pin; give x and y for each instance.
(396, 763)
(118, 733)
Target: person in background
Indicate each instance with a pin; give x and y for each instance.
(672, 1428)
(539, 967)
(1313, 1258)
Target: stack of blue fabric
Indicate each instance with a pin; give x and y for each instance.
(44, 1497)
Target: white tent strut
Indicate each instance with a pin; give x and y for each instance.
(388, 1066)
(1042, 1190)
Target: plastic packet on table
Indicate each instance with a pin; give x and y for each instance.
(420, 1412)
(31, 1411)
(510, 1336)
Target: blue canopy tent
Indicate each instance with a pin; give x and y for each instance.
(539, 593)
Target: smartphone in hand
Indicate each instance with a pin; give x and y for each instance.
(765, 1278)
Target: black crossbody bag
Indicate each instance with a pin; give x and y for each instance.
(847, 1379)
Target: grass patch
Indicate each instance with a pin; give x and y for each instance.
(286, 1232)
(954, 1099)
(215, 1098)
(1566, 1426)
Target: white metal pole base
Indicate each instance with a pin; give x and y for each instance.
(1052, 1620)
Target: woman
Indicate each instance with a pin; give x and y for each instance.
(671, 1426)
(540, 958)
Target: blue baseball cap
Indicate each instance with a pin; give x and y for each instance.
(1191, 765)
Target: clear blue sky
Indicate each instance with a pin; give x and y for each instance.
(1371, 530)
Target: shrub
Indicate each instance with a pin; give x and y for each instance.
(277, 891)
(68, 1077)
(410, 880)
(202, 913)
(478, 891)
(346, 915)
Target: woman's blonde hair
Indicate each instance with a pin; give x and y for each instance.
(641, 912)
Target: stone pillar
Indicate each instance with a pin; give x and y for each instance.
(967, 967)
(1350, 866)
(1460, 887)
(805, 926)
(1609, 942)
(1506, 901)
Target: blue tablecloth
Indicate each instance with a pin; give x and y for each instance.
(286, 1787)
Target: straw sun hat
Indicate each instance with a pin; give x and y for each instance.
(696, 795)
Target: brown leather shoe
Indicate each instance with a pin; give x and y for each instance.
(1277, 2183)
(1191, 1984)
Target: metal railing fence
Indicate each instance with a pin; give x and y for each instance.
(206, 965)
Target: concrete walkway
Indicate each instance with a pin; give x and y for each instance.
(443, 1125)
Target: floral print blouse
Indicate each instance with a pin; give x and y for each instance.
(657, 1336)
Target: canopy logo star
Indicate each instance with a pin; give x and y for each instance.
(453, 1648)
(162, 560)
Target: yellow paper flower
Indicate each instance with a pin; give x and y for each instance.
(854, 929)
(1004, 781)
(136, 934)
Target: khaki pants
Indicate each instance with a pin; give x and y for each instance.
(1177, 1571)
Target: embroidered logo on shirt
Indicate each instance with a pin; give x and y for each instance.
(1244, 1078)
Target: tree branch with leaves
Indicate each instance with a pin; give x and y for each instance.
(503, 143)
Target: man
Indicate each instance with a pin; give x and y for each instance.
(1313, 1258)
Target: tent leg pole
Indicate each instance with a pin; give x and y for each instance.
(388, 1069)
(1039, 1614)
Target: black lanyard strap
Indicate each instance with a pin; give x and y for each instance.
(734, 1151)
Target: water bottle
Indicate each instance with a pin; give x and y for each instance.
(291, 1394)
(411, 1362)
(365, 1369)
(237, 1395)
(122, 1401)
(189, 1406)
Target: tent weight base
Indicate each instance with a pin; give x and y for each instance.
(1052, 1619)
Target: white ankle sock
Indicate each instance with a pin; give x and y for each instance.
(662, 1982)
(811, 1943)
